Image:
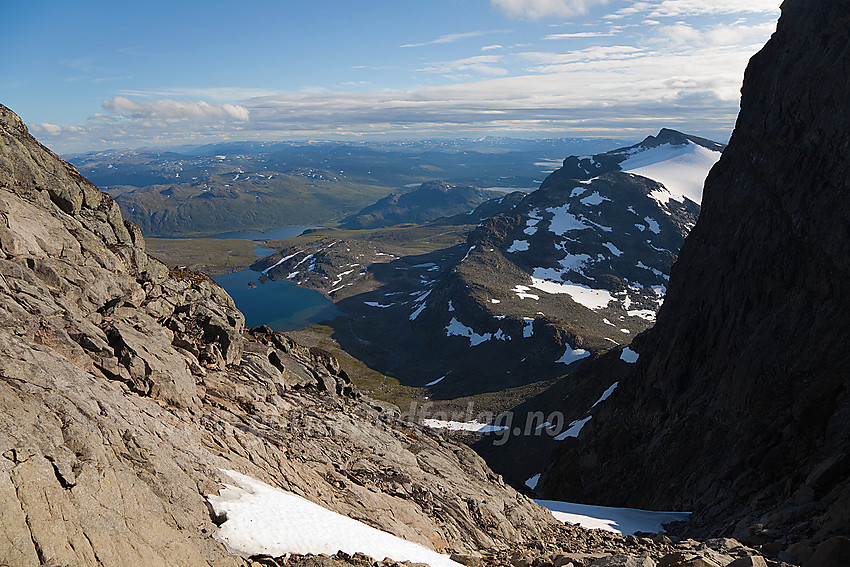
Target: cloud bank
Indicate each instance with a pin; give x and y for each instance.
(537, 9)
(175, 109)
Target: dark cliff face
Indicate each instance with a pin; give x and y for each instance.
(739, 403)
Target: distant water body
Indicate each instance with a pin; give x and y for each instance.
(275, 233)
(281, 305)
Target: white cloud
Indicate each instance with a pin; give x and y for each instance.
(55, 130)
(730, 36)
(578, 35)
(491, 47)
(175, 109)
(46, 127)
(450, 38)
(212, 93)
(548, 62)
(102, 117)
(679, 8)
(681, 33)
(482, 64)
(537, 9)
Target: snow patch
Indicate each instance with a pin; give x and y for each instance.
(623, 521)
(594, 199)
(457, 329)
(653, 225)
(655, 271)
(532, 482)
(518, 246)
(574, 429)
(437, 381)
(564, 221)
(614, 250)
(628, 355)
(521, 292)
(416, 313)
(471, 248)
(591, 298)
(279, 262)
(572, 355)
(647, 314)
(606, 393)
(264, 520)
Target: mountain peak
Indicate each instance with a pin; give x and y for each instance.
(676, 138)
(666, 136)
(679, 162)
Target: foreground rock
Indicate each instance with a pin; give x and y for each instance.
(738, 406)
(126, 387)
(586, 549)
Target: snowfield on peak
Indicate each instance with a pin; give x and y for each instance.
(682, 169)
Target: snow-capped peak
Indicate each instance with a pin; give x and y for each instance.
(681, 169)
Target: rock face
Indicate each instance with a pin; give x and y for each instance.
(431, 200)
(126, 387)
(738, 405)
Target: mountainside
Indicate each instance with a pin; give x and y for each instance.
(431, 200)
(738, 403)
(128, 388)
(568, 271)
(243, 199)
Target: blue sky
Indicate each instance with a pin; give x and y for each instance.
(92, 74)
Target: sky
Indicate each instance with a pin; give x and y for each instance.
(92, 74)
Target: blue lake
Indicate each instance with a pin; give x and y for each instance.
(274, 233)
(281, 305)
(260, 252)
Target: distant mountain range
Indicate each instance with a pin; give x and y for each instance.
(191, 191)
(430, 201)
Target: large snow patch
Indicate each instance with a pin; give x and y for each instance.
(264, 520)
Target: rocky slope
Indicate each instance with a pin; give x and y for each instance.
(126, 387)
(738, 405)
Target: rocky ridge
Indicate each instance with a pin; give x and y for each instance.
(738, 406)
